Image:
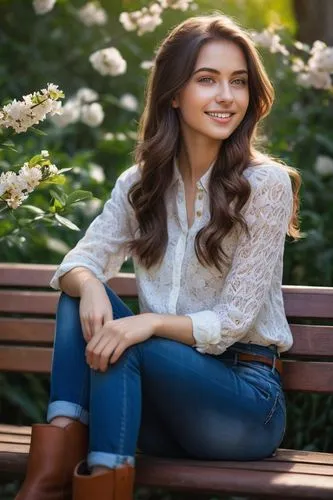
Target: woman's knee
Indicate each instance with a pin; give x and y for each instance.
(68, 313)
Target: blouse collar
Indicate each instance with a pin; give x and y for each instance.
(203, 181)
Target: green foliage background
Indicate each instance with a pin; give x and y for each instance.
(55, 48)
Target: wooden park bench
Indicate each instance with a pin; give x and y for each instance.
(27, 309)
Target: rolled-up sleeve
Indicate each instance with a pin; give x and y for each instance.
(103, 248)
(247, 284)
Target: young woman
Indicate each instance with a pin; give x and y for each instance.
(204, 217)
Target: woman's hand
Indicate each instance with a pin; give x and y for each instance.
(116, 336)
(95, 308)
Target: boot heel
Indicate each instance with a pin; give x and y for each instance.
(116, 484)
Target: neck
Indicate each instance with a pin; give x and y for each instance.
(196, 155)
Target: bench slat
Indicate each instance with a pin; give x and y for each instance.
(31, 275)
(14, 439)
(309, 340)
(300, 301)
(22, 430)
(27, 330)
(210, 477)
(308, 302)
(25, 302)
(298, 376)
(25, 359)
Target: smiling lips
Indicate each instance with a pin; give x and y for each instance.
(220, 117)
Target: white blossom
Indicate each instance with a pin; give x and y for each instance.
(43, 6)
(86, 95)
(30, 177)
(108, 62)
(129, 102)
(321, 57)
(12, 189)
(16, 199)
(318, 80)
(127, 21)
(297, 65)
(92, 114)
(156, 8)
(148, 23)
(120, 136)
(70, 113)
(181, 5)
(33, 108)
(324, 165)
(45, 153)
(93, 14)
(52, 170)
(109, 136)
(97, 173)
(269, 40)
(146, 64)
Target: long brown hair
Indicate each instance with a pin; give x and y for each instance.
(159, 142)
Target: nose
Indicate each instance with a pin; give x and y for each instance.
(224, 93)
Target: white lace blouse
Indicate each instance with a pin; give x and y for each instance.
(243, 303)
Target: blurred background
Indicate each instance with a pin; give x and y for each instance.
(45, 42)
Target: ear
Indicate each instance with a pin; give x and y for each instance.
(174, 102)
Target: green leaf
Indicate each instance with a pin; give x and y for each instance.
(326, 142)
(66, 222)
(5, 226)
(79, 195)
(34, 210)
(59, 196)
(56, 179)
(37, 131)
(9, 145)
(35, 160)
(63, 170)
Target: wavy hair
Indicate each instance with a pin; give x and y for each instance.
(160, 137)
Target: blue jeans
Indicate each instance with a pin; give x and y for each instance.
(165, 397)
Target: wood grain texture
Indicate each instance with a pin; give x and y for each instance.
(267, 477)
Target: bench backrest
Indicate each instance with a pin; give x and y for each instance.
(27, 310)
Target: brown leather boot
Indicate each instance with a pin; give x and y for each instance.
(54, 453)
(116, 484)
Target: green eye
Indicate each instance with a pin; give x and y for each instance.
(206, 79)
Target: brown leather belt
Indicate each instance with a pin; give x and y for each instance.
(242, 356)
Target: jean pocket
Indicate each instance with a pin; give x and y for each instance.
(261, 379)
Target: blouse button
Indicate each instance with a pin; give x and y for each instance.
(199, 213)
(200, 196)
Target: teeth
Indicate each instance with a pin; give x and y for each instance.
(220, 115)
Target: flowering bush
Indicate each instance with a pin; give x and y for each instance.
(15, 187)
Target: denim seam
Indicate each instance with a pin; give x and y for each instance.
(124, 413)
(271, 413)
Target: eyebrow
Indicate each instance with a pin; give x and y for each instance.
(215, 71)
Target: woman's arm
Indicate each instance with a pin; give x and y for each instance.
(75, 280)
(103, 248)
(249, 279)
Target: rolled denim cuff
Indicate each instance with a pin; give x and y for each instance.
(109, 460)
(67, 409)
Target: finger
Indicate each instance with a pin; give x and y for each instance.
(108, 316)
(104, 360)
(95, 325)
(118, 351)
(90, 347)
(86, 331)
(104, 348)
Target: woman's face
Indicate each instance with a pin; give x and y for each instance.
(214, 101)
